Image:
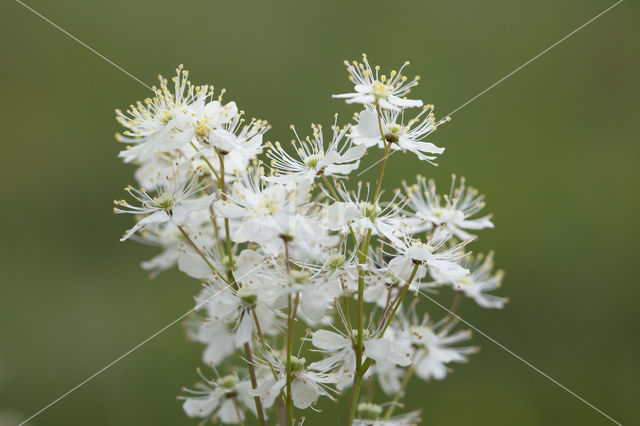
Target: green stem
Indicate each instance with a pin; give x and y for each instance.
(331, 188)
(223, 195)
(289, 344)
(398, 300)
(357, 384)
(206, 160)
(262, 341)
(254, 383)
(335, 195)
(197, 249)
(387, 147)
(238, 412)
(289, 401)
(362, 369)
(362, 258)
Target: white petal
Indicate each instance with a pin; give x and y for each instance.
(368, 124)
(228, 413)
(244, 331)
(405, 103)
(156, 217)
(193, 265)
(328, 340)
(200, 407)
(303, 392)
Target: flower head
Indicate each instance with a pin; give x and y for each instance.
(480, 280)
(434, 350)
(338, 158)
(155, 125)
(177, 197)
(371, 87)
(224, 399)
(402, 135)
(454, 211)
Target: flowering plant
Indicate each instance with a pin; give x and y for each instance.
(290, 256)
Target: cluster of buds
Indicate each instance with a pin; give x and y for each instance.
(305, 277)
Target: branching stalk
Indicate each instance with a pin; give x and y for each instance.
(254, 383)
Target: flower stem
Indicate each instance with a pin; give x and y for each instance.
(362, 257)
(387, 147)
(206, 160)
(262, 341)
(290, 314)
(451, 318)
(197, 249)
(405, 381)
(223, 195)
(254, 383)
(362, 369)
(398, 300)
(357, 384)
(289, 344)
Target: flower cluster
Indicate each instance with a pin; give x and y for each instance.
(306, 276)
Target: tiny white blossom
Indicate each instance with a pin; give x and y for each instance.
(454, 210)
(371, 87)
(267, 212)
(233, 308)
(433, 255)
(307, 383)
(354, 211)
(337, 159)
(238, 141)
(481, 280)
(157, 125)
(175, 200)
(371, 415)
(391, 347)
(341, 355)
(405, 136)
(224, 399)
(434, 350)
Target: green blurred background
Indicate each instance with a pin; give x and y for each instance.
(554, 148)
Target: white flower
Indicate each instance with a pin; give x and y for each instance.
(232, 309)
(149, 174)
(453, 210)
(307, 385)
(237, 141)
(157, 124)
(317, 293)
(389, 376)
(337, 159)
(174, 202)
(206, 122)
(481, 280)
(371, 87)
(219, 341)
(354, 211)
(224, 399)
(434, 351)
(405, 136)
(445, 262)
(267, 212)
(169, 239)
(371, 415)
(391, 348)
(341, 355)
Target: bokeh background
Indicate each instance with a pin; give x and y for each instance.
(554, 148)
